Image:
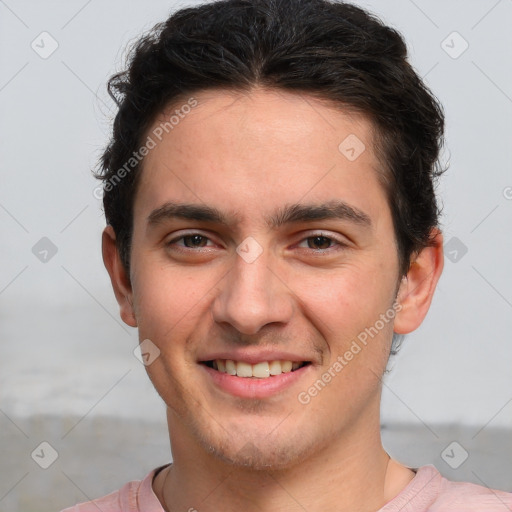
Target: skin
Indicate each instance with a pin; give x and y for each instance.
(252, 153)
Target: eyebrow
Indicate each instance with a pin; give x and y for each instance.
(288, 214)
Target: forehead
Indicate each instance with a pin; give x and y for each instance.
(290, 120)
(248, 151)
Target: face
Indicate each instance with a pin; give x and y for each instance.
(262, 270)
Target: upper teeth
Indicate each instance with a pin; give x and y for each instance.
(261, 370)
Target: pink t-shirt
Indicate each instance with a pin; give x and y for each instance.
(428, 491)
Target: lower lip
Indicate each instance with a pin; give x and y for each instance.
(253, 387)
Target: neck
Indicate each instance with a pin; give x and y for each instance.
(352, 473)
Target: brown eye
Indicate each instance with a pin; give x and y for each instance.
(319, 242)
(195, 240)
(189, 241)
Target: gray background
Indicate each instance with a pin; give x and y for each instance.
(68, 375)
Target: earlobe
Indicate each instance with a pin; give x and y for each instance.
(417, 288)
(118, 276)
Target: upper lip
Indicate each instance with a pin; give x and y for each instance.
(255, 356)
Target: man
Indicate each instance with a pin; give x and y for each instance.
(272, 225)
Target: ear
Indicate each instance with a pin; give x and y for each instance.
(118, 276)
(418, 286)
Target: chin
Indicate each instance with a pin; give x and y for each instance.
(260, 452)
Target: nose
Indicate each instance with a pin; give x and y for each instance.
(251, 296)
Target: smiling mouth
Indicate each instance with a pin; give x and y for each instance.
(263, 370)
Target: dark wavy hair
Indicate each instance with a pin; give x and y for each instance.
(333, 51)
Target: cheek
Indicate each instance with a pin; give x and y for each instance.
(345, 300)
(168, 309)
(158, 301)
(170, 301)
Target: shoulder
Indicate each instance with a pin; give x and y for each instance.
(429, 491)
(468, 497)
(135, 496)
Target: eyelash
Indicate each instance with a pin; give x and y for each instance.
(341, 244)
